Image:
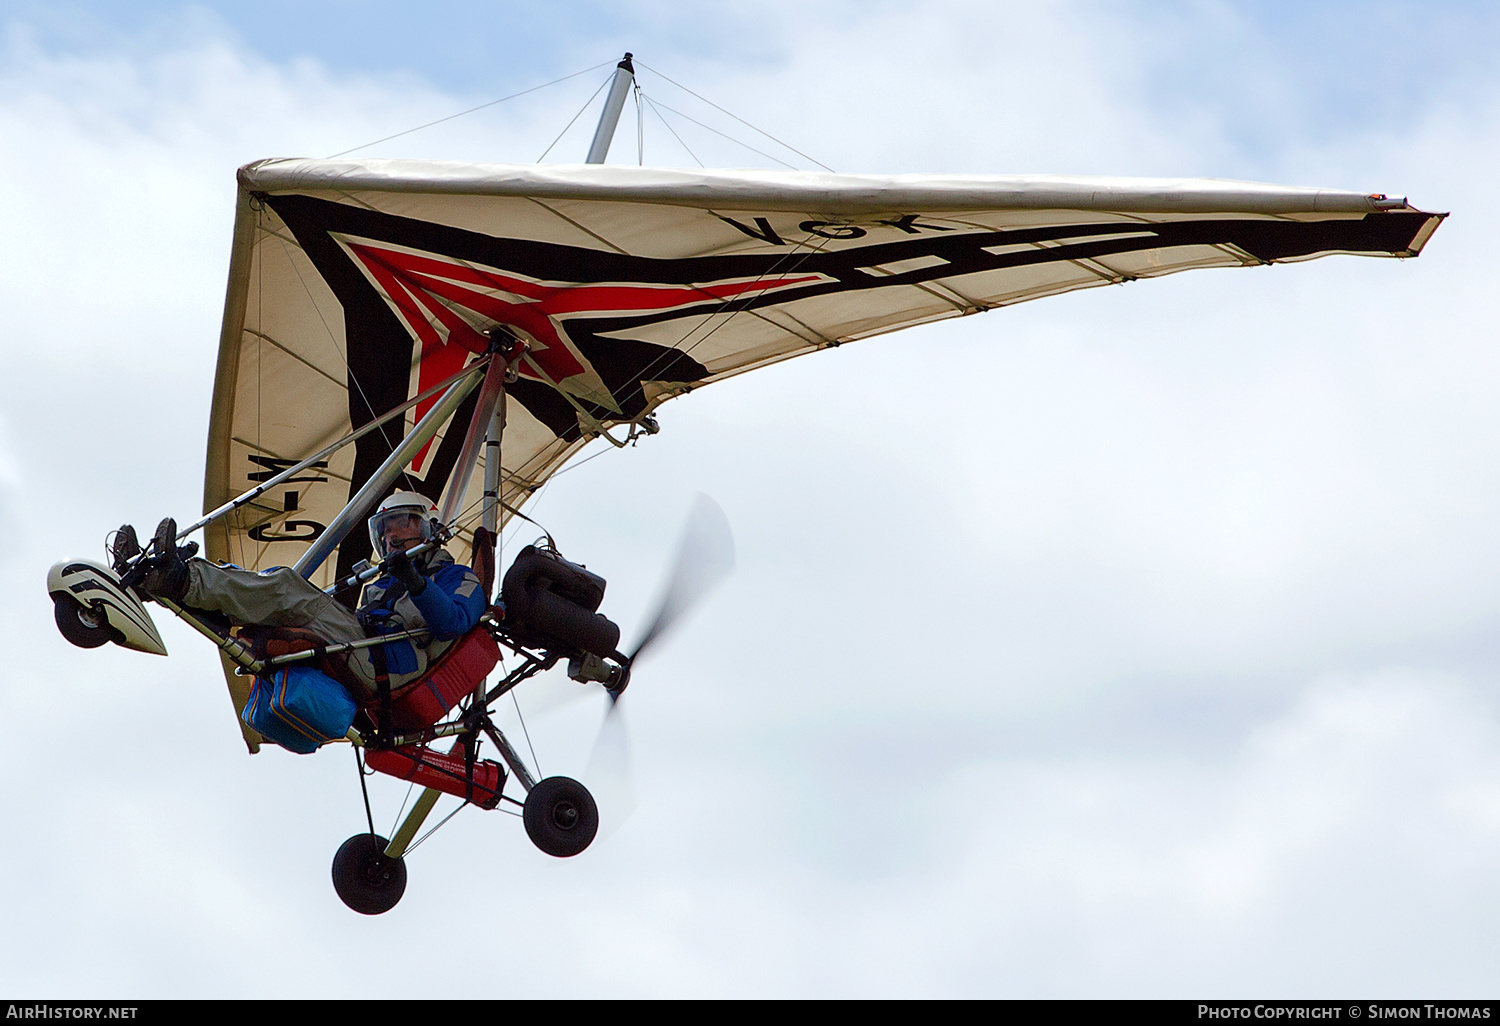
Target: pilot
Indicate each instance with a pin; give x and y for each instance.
(431, 591)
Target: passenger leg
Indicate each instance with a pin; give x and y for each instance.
(272, 598)
(280, 598)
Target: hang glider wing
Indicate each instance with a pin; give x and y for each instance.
(356, 286)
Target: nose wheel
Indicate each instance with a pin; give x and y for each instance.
(560, 816)
(365, 878)
(84, 626)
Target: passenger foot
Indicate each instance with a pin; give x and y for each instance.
(125, 547)
(168, 575)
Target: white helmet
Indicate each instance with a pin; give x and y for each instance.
(410, 508)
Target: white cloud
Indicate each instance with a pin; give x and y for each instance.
(1134, 642)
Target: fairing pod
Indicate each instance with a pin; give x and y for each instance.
(91, 584)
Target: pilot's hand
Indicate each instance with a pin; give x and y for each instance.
(399, 564)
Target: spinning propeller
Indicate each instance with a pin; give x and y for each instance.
(705, 556)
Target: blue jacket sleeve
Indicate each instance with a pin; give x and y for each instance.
(451, 603)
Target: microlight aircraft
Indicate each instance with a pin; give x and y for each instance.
(463, 330)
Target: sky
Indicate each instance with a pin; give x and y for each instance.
(1142, 642)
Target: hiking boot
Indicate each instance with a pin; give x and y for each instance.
(166, 537)
(168, 577)
(125, 547)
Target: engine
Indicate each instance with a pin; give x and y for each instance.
(551, 604)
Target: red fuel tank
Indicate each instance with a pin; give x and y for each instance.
(442, 772)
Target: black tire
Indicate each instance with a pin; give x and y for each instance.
(561, 817)
(84, 626)
(365, 879)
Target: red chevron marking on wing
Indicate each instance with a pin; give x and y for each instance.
(428, 293)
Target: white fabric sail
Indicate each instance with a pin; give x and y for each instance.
(356, 285)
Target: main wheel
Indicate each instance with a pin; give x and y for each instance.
(561, 817)
(365, 879)
(85, 626)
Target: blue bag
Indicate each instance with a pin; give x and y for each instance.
(299, 708)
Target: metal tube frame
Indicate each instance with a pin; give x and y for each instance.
(490, 512)
(413, 822)
(486, 428)
(533, 664)
(517, 767)
(333, 447)
(234, 648)
(383, 478)
(477, 720)
(370, 572)
(609, 118)
(458, 482)
(491, 408)
(345, 646)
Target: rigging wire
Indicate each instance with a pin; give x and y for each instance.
(640, 132)
(734, 305)
(395, 823)
(796, 257)
(465, 518)
(715, 106)
(731, 138)
(359, 764)
(662, 118)
(471, 110)
(534, 760)
(413, 846)
(468, 512)
(343, 356)
(799, 254)
(578, 463)
(745, 304)
(575, 117)
(536, 501)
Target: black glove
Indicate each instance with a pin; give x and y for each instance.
(399, 564)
